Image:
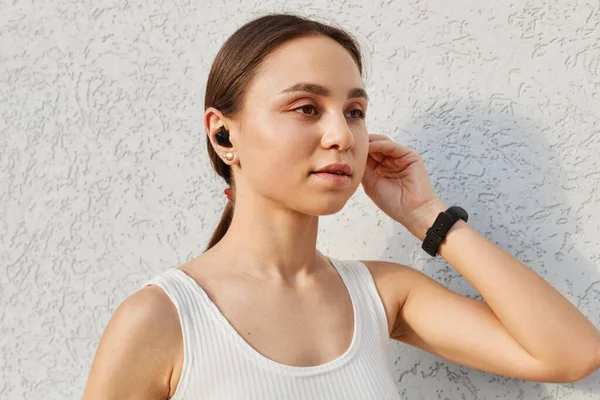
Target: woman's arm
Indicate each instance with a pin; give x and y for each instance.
(540, 334)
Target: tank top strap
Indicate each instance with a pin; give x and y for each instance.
(194, 318)
(363, 285)
(182, 291)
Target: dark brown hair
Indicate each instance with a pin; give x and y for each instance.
(235, 66)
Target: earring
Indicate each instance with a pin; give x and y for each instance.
(229, 156)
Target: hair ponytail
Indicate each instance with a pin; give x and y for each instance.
(223, 226)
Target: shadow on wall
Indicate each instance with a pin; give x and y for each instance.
(501, 170)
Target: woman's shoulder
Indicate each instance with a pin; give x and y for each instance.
(151, 307)
(393, 282)
(142, 340)
(392, 279)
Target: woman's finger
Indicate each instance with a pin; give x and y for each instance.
(378, 156)
(389, 148)
(375, 137)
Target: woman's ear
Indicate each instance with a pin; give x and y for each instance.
(217, 129)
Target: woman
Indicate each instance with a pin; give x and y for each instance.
(262, 314)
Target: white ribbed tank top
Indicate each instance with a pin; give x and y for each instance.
(218, 364)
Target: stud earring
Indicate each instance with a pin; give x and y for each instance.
(229, 156)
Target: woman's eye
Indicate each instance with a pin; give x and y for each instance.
(358, 114)
(307, 109)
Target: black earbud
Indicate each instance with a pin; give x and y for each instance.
(222, 137)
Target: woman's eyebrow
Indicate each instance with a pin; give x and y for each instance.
(322, 90)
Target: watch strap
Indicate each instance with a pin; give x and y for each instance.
(437, 233)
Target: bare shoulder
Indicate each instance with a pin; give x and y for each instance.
(393, 282)
(138, 350)
(391, 277)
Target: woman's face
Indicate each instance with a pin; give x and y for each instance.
(303, 111)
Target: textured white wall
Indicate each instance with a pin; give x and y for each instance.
(105, 179)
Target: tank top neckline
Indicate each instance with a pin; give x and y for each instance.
(272, 365)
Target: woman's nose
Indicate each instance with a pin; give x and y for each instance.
(337, 133)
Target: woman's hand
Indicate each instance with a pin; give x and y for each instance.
(396, 180)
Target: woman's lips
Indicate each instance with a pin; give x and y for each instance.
(336, 179)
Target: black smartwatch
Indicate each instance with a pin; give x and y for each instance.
(437, 233)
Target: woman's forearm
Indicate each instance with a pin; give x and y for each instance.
(544, 322)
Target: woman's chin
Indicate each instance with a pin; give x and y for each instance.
(323, 209)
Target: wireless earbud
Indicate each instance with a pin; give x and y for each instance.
(222, 137)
